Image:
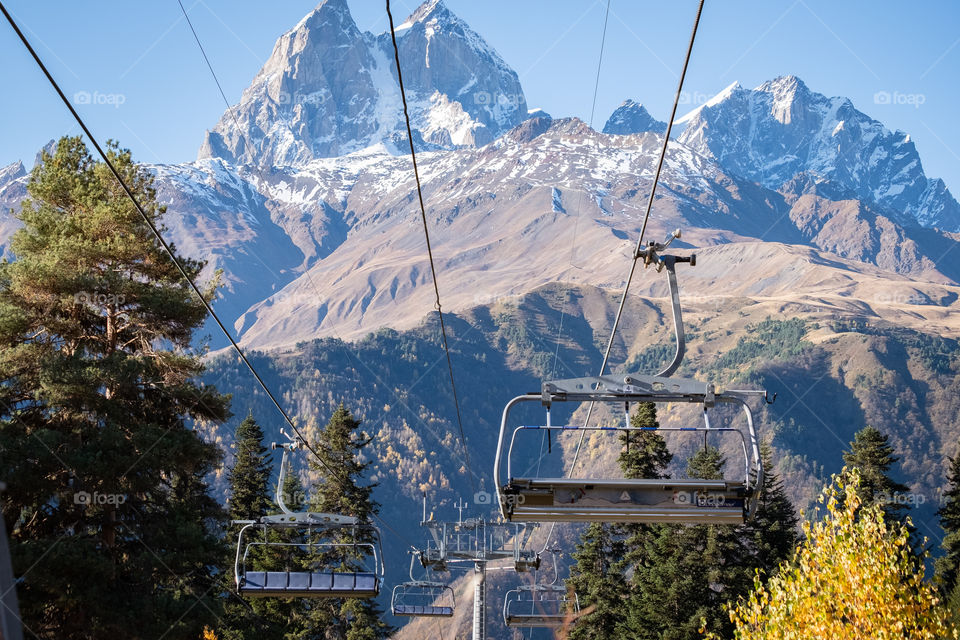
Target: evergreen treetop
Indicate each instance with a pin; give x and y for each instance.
(344, 490)
(645, 453)
(871, 453)
(772, 534)
(706, 464)
(250, 475)
(106, 480)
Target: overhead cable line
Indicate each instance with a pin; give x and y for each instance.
(257, 167)
(566, 290)
(637, 252)
(167, 248)
(146, 218)
(263, 181)
(426, 233)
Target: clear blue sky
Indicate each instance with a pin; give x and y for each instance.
(142, 54)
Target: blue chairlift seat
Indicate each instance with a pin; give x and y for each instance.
(422, 611)
(311, 584)
(422, 598)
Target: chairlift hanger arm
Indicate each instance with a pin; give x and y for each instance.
(651, 255)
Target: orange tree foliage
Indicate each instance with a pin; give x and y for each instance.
(853, 578)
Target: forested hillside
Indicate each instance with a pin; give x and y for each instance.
(832, 376)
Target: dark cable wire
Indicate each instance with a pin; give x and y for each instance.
(426, 233)
(563, 300)
(233, 115)
(593, 109)
(229, 107)
(637, 251)
(169, 250)
(210, 67)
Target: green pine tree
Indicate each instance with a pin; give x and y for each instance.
(250, 475)
(598, 580)
(342, 490)
(771, 536)
(948, 565)
(250, 498)
(113, 532)
(871, 453)
(684, 574)
(645, 453)
(605, 553)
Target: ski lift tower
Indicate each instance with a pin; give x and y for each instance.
(474, 540)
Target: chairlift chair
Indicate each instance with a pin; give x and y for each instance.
(422, 598)
(579, 499)
(541, 605)
(316, 534)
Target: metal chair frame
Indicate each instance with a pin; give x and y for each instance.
(434, 590)
(326, 583)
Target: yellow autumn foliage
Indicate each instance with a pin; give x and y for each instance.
(208, 634)
(853, 578)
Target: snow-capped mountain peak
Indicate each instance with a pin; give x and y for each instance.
(329, 89)
(632, 117)
(12, 172)
(731, 90)
(781, 129)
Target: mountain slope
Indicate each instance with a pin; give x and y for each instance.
(832, 373)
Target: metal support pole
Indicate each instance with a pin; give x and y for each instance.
(479, 600)
(10, 628)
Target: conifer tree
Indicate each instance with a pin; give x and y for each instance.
(606, 552)
(598, 580)
(260, 618)
(684, 574)
(342, 490)
(250, 475)
(645, 453)
(871, 453)
(948, 565)
(771, 536)
(112, 528)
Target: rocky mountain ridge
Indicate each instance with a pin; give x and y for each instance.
(329, 89)
(309, 204)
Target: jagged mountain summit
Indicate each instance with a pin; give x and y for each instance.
(632, 117)
(329, 89)
(781, 129)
